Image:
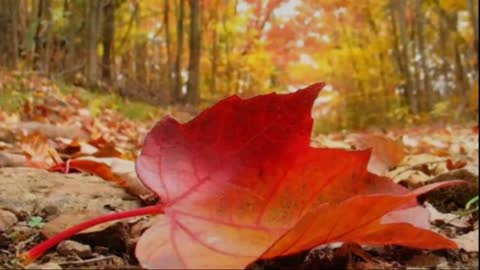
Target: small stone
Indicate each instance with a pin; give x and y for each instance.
(5, 241)
(101, 250)
(69, 247)
(464, 257)
(7, 220)
(427, 260)
(49, 211)
(45, 266)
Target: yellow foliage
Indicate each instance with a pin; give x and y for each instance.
(453, 5)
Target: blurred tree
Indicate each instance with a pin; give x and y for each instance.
(108, 34)
(385, 62)
(94, 19)
(177, 89)
(9, 45)
(43, 36)
(193, 84)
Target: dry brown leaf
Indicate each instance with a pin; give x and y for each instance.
(452, 219)
(386, 153)
(125, 170)
(39, 152)
(468, 241)
(52, 131)
(85, 148)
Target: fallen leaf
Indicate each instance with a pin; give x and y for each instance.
(52, 131)
(455, 165)
(108, 150)
(386, 153)
(75, 147)
(125, 170)
(6, 135)
(324, 141)
(240, 180)
(116, 170)
(452, 219)
(96, 168)
(468, 241)
(411, 178)
(36, 147)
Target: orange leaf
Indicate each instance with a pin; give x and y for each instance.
(97, 168)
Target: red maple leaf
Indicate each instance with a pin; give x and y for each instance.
(241, 182)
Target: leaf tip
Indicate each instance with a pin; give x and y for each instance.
(314, 88)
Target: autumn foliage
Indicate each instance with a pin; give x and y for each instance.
(240, 182)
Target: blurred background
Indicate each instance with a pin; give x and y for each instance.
(387, 63)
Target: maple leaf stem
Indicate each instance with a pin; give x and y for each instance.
(41, 248)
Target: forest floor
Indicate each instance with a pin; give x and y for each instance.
(38, 199)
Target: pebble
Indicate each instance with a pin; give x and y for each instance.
(5, 241)
(49, 211)
(69, 247)
(7, 220)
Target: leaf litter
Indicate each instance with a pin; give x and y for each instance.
(462, 150)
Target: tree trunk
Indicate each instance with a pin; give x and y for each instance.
(462, 85)
(140, 52)
(73, 12)
(22, 28)
(427, 89)
(412, 100)
(168, 44)
(214, 58)
(473, 10)
(444, 40)
(9, 33)
(108, 39)
(193, 85)
(178, 56)
(228, 64)
(396, 43)
(93, 28)
(40, 57)
(214, 52)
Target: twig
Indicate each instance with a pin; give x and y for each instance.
(459, 215)
(94, 260)
(21, 245)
